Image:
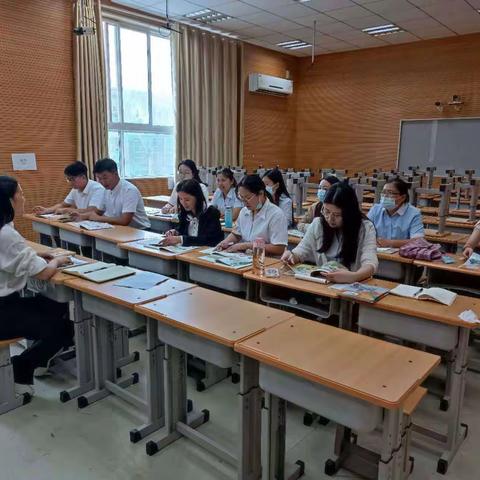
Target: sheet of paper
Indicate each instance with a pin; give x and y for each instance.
(24, 161)
(142, 280)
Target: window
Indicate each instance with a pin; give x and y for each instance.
(141, 136)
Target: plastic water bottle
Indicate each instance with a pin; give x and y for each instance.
(259, 256)
(228, 217)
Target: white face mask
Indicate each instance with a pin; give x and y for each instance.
(387, 202)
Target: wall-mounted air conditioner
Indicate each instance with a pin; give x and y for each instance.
(260, 83)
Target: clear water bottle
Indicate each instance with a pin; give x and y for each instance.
(259, 256)
(228, 217)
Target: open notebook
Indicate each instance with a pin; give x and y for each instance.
(440, 295)
(100, 272)
(89, 225)
(230, 259)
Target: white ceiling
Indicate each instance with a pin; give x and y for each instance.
(339, 23)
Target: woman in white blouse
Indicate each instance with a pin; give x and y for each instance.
(36, 318)
(187, 170)
(259, 218)
(275, 185)
(341, 233)
(226, 195)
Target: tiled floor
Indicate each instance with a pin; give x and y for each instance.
(47, 440)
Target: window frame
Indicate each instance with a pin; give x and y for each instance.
(121, 127)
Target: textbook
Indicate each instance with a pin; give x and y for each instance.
(233, 260)
(473, 262)
(293, 232)
(440, 295)
(316, 270)
(361, 291)
(100, 272)
(387, 250)
(89, 225)
(63, 217)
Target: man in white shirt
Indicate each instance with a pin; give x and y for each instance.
(123, 203)
(85, 195)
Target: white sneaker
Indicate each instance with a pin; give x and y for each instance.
(22, 389)
(45, 371)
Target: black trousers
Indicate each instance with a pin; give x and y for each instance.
(39, 319)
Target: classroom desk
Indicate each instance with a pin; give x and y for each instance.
(71, 234)
(454, 212)
(392, 266)
(186, 325)
(281, 291)
(214, 274)
(154, 260)
(437, 326)
(453, 225)
(358, 382)
(160, 223)
(43, 226)
(112, 308)
(468, 279)
(108, 240)
(449, 240)
(156, 201)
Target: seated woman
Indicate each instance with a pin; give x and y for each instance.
(341, 233)
(36, 318)
(198, 224)
(473, 242)
(225, 195)
(315, 209)
(187, 169)
(276, 187)
(396, 220)
(259, 218)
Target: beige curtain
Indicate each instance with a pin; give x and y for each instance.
(208, 89)
(90, 85)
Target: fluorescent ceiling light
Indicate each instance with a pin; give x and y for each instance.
(382, 29)
(294, 44)
(207, 16)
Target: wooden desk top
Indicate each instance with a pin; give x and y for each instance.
(157, 198)
(213, 315)
(193, 257)
(121, 234)
(379, 372)
(394, 257)
(450, 222)
(6, 343)
(138, 247)
(127, 297)
(447, 237)
(426, 309)
(289, 281)
(449, 267)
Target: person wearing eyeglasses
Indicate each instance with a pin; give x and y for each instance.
(259, 218)
(395, 219)
(85, 196)
(343, 234)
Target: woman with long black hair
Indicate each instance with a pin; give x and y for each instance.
(39, 319)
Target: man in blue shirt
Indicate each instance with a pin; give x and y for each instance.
(396, 220)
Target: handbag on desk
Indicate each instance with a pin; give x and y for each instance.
(420, 249)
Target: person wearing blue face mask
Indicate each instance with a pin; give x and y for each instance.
(314, 210)
(259, 218)
(275, 186)
(396, 220)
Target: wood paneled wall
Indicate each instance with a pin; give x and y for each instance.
(36, 96)
(269, 121)
(151, 186)
(349, 105)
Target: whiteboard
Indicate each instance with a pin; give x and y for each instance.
(442, 143)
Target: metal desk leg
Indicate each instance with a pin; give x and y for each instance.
(456, 431)
(273, 437)
(391, 456)
(345, 320)
(122, 349)
(155, 394)
(409, 273)
(252, 291)
(175, 371)
(83, 351)
(250, 398)
(182, 271)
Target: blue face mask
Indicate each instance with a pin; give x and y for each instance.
(269, 189)
(321, 194)
(387, 202)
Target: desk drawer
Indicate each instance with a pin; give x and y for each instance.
(426, 332)
(341, 408)
(230, 282)
(152, 264)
